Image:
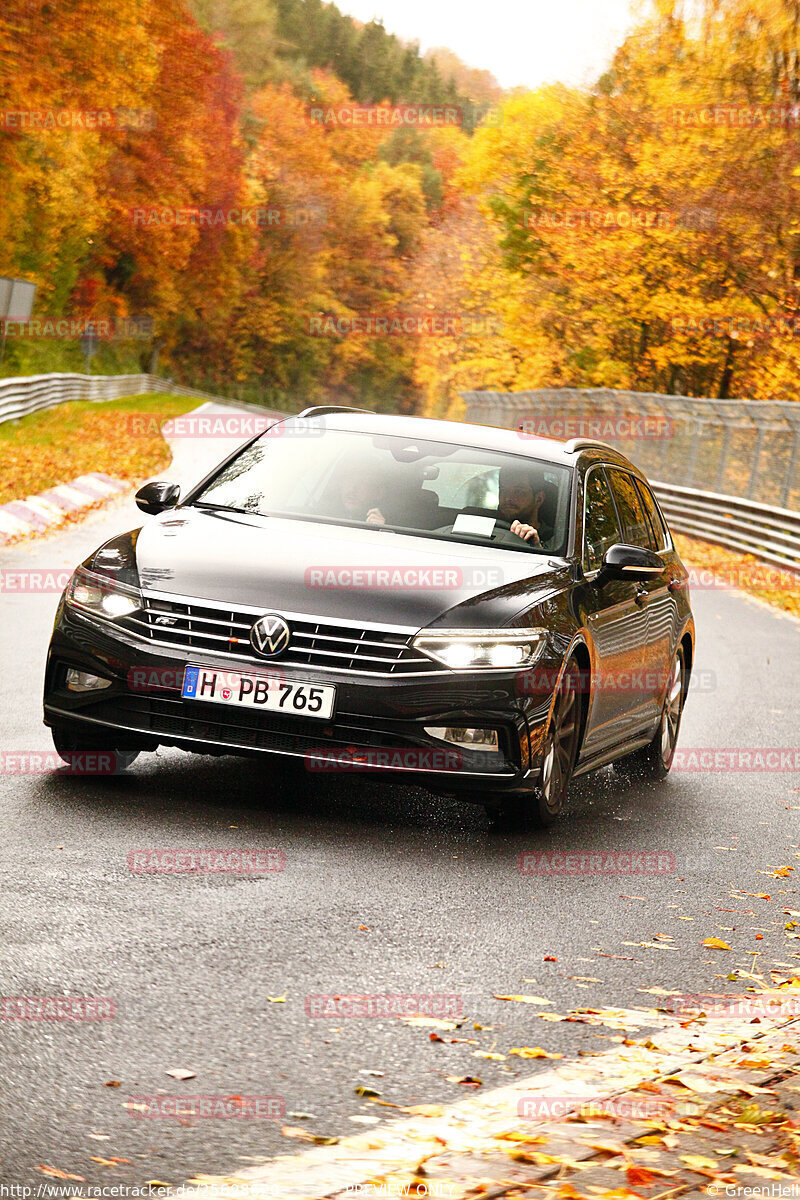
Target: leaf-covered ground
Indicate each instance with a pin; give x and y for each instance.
(743, 571)
(47, 448)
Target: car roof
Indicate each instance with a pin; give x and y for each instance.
(463, 433)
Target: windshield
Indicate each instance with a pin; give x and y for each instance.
(408, 485)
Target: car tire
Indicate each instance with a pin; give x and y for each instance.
(69, 741)
(653, 761)
(544, 805)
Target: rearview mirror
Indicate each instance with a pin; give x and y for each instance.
(629, 562)
(153, 498)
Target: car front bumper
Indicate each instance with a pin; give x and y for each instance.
(377, 726)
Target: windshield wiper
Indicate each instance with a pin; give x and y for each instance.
(222, 507)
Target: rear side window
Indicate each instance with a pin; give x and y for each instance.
(656, 520)
(600, 525)
(635, 525)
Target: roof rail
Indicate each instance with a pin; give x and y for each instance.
(319, 410)
(576, 444)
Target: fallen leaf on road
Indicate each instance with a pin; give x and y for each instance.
(524, 999)
(437, 1024)
(698, 1162)
(514, 1135)
(366, 1091)
(715, 943)
(550, 958)
(277, 999)
(639, 1176)
(54, 1173)
(533, 1052)
(467, 1080)
(766, 1173)
(487, 1054)
(303, 1135)
(108, 1162)
(113, 1083)
(181, 1073)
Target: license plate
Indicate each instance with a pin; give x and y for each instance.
(272, 693)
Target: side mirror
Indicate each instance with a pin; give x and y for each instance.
(629, 562)
(153, 498)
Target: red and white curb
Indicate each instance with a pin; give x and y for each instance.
(34, 514)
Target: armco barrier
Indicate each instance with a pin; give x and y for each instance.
(747, 450)
(21, 395)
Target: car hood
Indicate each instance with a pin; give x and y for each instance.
(334, 571)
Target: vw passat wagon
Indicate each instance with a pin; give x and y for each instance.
(469, 608)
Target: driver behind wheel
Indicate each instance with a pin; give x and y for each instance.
(520, 500)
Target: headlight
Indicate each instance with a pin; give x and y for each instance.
(483, 649)
(102, 595)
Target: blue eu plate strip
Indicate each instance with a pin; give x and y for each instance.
(190, 682)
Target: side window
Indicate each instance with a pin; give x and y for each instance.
(656, 520)
(635, 526)
(600, 525)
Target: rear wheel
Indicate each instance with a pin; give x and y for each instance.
(558, 762)
(654, 760)
(70, 743)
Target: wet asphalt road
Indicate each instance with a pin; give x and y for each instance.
(191, 961)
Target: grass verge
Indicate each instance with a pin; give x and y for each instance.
(742, 571)
(47, 448)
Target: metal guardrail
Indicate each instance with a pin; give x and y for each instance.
(744, 448)
(748, 451)
(22, 395)
(769, 534)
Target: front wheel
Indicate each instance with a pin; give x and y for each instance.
(654, 760)
(558, 762)
(104, 758)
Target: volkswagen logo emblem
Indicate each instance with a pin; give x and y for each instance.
(270, 635)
